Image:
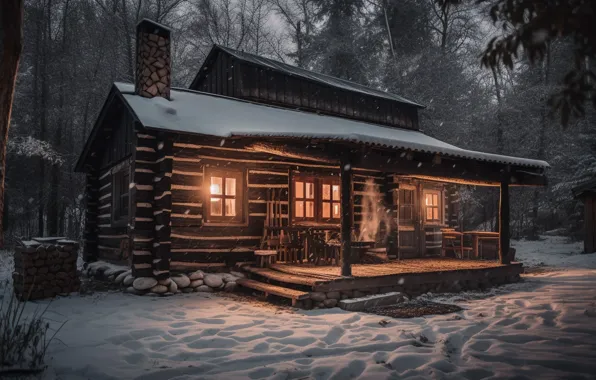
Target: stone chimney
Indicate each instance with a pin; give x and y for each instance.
(154, 67)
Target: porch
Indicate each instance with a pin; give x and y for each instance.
(309, 285)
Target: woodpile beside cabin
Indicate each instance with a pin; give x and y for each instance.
(260, 155)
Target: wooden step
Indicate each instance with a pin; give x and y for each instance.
(294, 295)
(296, 271)
(283, 277)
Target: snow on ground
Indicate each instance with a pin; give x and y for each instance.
(551, 251)
(543, 328)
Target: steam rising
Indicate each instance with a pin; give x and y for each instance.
(374, 214)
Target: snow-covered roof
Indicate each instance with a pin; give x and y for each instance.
(201, 113)
(314, 76)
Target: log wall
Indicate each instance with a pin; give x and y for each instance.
(143, 205)
(91, 215)
(112, 239)
(168, 195)
(193, 239)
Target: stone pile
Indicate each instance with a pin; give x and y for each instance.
(45, 268)
(197, 281)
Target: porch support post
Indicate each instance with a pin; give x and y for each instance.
(504, 221)
(347, 205)
(391, 191)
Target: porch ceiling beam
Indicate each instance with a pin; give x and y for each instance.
(413, 164)
(526, 181)
(293, 152)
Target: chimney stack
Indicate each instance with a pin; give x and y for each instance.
(154, 67)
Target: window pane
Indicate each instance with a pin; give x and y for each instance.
(336, 210)
(310, 209)
(429, 213)
(216, 206)
(326, 192)
(326, 210)
(336, 192)
(435, 199)
(299, 189)
(428, 199)
(299, 209)
(230, 207)
(216, 186)
(436, 213)
(230, 186)
(310, 190)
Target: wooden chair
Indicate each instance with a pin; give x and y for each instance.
(454, 241)
(316, 248)
(273, 219)
(291, 247)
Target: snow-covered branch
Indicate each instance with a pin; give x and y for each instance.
(29, 146)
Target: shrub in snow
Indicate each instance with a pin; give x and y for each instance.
(23, 341)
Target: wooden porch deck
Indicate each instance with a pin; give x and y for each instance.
(410, 276)
(425, 265)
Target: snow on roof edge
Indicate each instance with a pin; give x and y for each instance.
(457, 153)
(196, 112)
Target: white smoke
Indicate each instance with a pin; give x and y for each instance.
(374, 214)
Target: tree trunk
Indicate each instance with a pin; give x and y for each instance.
(11, 14)
(541, 146)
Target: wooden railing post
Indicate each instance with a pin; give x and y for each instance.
(504, 221)
(346, 216)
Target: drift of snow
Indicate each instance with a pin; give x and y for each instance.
(541, 328)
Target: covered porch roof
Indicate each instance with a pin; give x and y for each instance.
(292, 132)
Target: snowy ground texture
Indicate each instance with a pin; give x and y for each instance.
(543, 328)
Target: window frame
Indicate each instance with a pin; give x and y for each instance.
(120, 196)
(411, 206)
(318, 182)
(331, 181)
(240, 197)
(304, 179)
(438, 193)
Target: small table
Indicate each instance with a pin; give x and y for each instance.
(265, 257)
(478, 236)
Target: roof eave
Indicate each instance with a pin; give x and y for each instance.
(114, 93)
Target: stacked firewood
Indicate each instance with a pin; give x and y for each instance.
(45, 267)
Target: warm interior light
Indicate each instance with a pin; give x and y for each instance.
(215, 189)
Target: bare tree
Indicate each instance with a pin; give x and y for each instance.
(11, 14)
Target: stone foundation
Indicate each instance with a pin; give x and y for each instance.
(195, 281)
(45, 268)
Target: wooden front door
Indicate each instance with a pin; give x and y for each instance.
(409, 221)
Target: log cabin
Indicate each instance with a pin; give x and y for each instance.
(212, 173)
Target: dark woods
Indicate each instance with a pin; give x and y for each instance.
(420, 49)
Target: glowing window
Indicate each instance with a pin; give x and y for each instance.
(316, 199)
(432, 207)
(224, 196)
